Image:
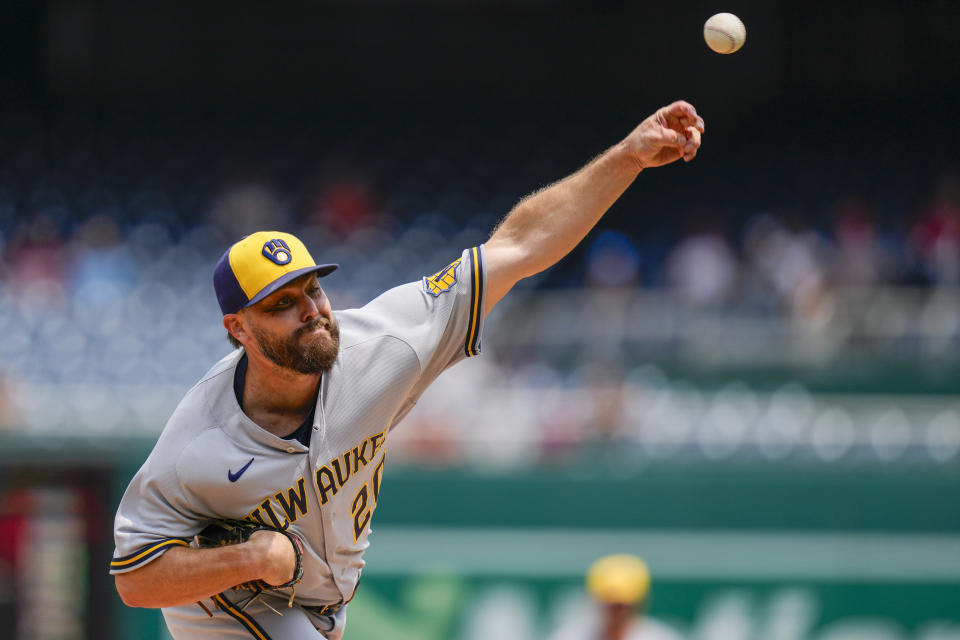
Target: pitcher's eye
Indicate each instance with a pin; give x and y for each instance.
(282, 304)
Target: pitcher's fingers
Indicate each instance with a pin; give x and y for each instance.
(680, 109)
(696, 123)
(693, 144)
(667, 137)
(693, 139)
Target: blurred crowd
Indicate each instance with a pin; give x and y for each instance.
(91, 206)
(786, 263)
(109, 230)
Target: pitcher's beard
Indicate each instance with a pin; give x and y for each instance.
(314, 357)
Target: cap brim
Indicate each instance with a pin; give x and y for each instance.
(320, 269)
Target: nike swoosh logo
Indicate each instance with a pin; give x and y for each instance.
(233, 477)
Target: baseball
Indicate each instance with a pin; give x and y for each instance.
(724, 33)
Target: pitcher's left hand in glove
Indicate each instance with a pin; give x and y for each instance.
(229, 532)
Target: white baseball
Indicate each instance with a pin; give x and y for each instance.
(724, 33)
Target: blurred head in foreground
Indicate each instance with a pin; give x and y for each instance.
(620, 584)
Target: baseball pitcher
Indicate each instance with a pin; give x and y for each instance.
(251, 515)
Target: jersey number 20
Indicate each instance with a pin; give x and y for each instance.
(359, 509)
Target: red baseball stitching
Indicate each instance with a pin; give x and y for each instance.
(733, 42)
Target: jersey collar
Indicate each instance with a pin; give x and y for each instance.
(234, 422)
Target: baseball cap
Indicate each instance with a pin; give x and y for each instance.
(619, 579)
(258, 265)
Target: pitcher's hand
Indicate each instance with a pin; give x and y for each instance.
(673, 132)
(278, 557)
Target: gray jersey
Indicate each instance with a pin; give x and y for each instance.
(212, 461)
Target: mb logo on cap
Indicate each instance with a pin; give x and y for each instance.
(277, 251)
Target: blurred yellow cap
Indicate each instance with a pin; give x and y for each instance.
(621, 578)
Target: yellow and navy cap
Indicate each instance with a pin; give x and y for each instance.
(619, 579)
(258, 265)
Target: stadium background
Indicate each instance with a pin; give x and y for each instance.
(746, 374)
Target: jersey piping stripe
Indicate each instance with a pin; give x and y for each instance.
(472, 346)
(478, 313)
(248, 623)
(146, 553)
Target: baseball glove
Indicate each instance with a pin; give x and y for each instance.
(228, 532)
